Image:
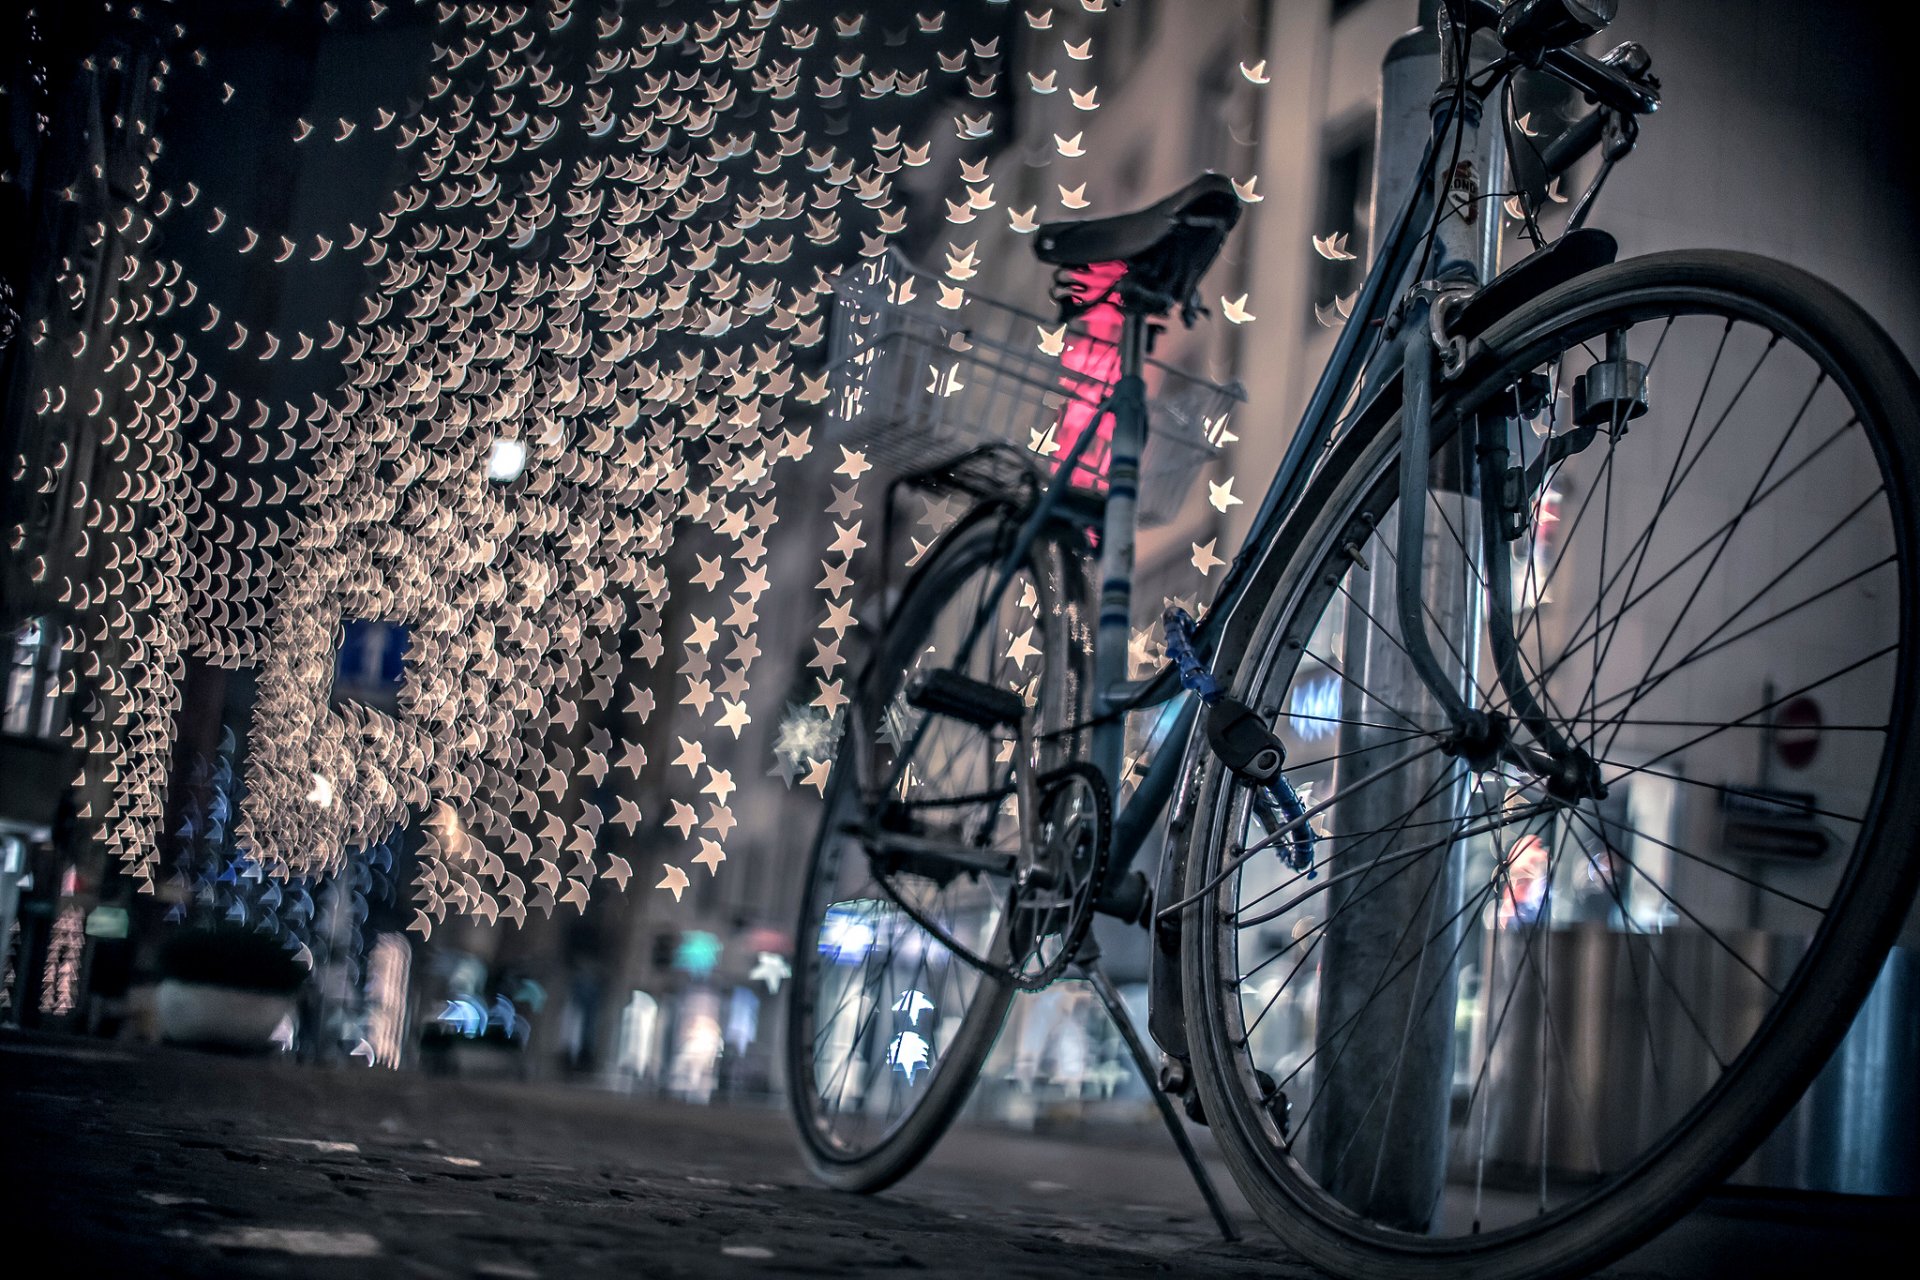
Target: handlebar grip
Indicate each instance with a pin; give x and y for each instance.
(1600, 82)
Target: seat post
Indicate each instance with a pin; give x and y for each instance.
(1116, 538)
(1135, 328)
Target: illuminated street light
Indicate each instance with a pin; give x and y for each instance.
(506, 460)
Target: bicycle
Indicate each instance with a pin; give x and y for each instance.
(1461, 945)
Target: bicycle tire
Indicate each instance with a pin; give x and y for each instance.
(1870, 900)
(975, 547)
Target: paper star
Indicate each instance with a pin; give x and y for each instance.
(839, 618)
(830, 696)
(1022, 648)
(626, 814)
(705, 632)
(745, 650)
(675, 880)
(771, 968)
(753, 584)
(837, 579)
(1221, 495)
(633, 758)
(847, 540)
(699, 696)
(844, 502)
(826, 656)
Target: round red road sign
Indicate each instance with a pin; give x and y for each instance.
(1796, 732)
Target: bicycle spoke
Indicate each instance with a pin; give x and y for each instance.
(1606, 467)
(1706, 572)
(1698, 548)
(1721, 788)
(1673, 488)
(1380, 984)
(1702, 647)
(1767, 707)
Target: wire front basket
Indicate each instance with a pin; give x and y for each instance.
(914, 381)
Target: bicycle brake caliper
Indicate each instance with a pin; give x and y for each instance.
(1240, 739)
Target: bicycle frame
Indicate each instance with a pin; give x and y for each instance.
(1114, 695)
(1367, 345)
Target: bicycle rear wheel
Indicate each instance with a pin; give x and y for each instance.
(1508, 1029)
(895, 998)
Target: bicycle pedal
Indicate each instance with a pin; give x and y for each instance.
(948, 693)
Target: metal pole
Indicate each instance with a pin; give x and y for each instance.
(1378, 1132)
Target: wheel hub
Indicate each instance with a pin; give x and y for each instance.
(1484, 739)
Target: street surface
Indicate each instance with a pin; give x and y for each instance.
(133, 1162)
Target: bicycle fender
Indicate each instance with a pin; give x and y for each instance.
(1573, 254)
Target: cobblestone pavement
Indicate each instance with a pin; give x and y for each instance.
(134, 1162)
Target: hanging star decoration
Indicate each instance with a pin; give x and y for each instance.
(592, 308)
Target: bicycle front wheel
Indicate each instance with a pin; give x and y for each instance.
(1516, 1016)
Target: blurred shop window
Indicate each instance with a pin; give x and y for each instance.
(1342, 225)
(371, 663)
(33, 700)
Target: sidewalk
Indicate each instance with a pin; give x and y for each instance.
(137, 1162)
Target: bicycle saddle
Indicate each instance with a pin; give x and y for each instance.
(1166, 246)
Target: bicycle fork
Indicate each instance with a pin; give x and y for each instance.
(1480, 737)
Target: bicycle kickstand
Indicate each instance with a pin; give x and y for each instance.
(1088, 963)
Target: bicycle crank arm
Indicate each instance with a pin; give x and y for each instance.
(938, 860)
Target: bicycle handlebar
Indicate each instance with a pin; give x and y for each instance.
(1592, 77)
(1581, 137)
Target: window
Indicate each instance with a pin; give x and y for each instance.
(33, 699)
(1208, 129)
(1342, 225)
(370, 664)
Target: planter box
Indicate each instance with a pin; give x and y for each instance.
(219, 1017)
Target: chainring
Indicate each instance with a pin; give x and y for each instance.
(1048, 921)
(1036, 916)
